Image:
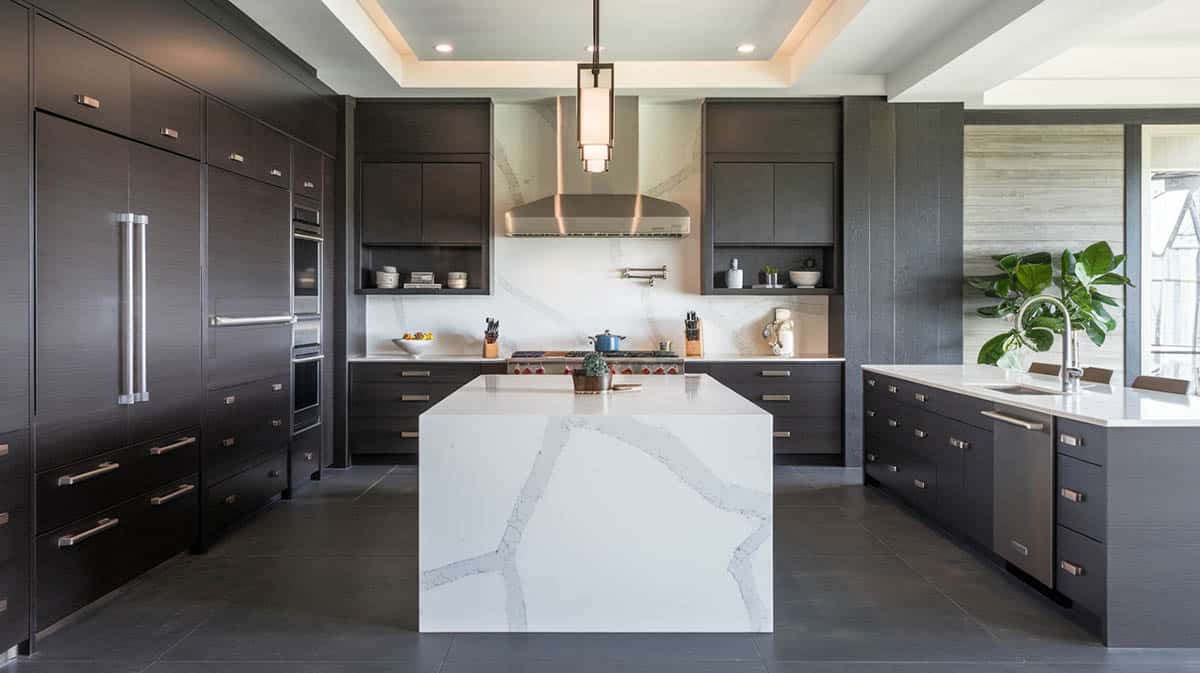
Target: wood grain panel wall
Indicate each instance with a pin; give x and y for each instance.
(1040, 187)
(902, 204)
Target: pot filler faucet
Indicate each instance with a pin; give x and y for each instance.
(1070, 372)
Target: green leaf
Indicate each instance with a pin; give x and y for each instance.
(995, 348)
(1118, 261)
(1009, 262)
(1003, 287)
(1081, 298)
(1053, 324)
(1040, 338)
(988, 311)
(1036, 258)
(1095, 333)
(1097, 259)
(1034, 278)
(1082, 274)
(1013, 359)
(1099, 297)
(1110, 279)
(984, 283)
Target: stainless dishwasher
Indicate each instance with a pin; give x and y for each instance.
(1023, 459)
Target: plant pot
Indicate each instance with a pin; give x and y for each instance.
(591, 385)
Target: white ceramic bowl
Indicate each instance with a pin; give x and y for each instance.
(804, 278)
(413, 347)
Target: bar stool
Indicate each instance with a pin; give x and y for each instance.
(1162, 384)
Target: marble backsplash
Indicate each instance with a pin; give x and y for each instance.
(553, 293)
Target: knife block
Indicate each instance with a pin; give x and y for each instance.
(694, 348)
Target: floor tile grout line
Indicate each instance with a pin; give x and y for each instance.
(375, 483)
(446, 656)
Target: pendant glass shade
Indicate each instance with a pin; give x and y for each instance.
(595, 115)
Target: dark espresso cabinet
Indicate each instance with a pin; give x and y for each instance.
(742, 201)
(391, 202)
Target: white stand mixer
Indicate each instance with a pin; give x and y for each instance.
(781, 333)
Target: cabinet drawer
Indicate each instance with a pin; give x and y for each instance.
(165, 113)
(966, 480)
(239, 355)
(68, 493)
(1080, 440)
(14, 602)
(1081, 497)
(808, 435)
(774, 372)
(923, 434)
(81, 562)
(245, 422)
(14, 534)
(963, 409)
(14, 469)
(384, 435)
(79, 79)
(306, 172)
(391, 399)
(877, 457)
(230, 140)
(415, 372)
(919, 484)
(273, 156)
(304, 457)
(1080, 570)
(244, 493)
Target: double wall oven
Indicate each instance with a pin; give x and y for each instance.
(307, 287)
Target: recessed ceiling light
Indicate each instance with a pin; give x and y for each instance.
(591, 48)
(443, 48)
(745, 48)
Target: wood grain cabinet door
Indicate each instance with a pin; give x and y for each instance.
(167, 189)
(452, 202)
(165, 113)
(80, 79)
(391, 203)
(743, 203)
(14, 218)
(82, 189)
(804, 203)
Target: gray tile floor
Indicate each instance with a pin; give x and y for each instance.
(326, 583)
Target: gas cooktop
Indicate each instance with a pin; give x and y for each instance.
(543, 355)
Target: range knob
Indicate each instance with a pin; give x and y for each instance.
(612, 370)
(673, 370)
(645, 370)
(566, 370)
(527, 371)
(516, 370)
(540, 370)
(660, 370)
(627, 370)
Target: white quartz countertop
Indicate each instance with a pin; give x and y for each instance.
(719, 357)
(1097, 404)
(740, 357)
(431, 357)
(690, 394)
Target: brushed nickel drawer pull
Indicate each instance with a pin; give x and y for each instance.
(3, 518)
(1012, 420)
(893, 390)
(893, 468)
(920, 484)
(414, 398)
(231, 499)
(234, 156)
(164, 499)
(231, 399)
(275, 173)
(308, 184)
(3, 450)
(276, 387)
(3, 605)
(1021, 549)
(88, 101)
(1071, 568)
(920, 397)
(871, 458)
(870, 413)
(776, 373)
(777, 398)
(308, 456)
(160, 450)
(276, 422)
(1069, 440)
(1072, 495)
(408, 434)
(99, 471)
(228, 442)
(919, 433)
(959, 444)
(272, 474)
(871, 383)
(169, 132)
(782, 434)
(415, 372)
(101, 526)
(893, 423)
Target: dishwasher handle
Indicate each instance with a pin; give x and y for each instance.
(1013, 420)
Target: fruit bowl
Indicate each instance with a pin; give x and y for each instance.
(804, 278)
(414, 346)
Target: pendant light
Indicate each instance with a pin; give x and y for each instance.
(594, 105)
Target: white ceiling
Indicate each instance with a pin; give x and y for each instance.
(643, 30)
(985, 53)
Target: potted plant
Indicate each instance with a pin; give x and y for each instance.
(772, 275)
(1079, 279)
(596, 377)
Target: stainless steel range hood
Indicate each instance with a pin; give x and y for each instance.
(599, 204)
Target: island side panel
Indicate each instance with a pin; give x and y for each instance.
(596, 523)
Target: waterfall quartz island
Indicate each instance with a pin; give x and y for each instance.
(542, 510)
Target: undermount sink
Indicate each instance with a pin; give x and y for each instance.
(1024, 390)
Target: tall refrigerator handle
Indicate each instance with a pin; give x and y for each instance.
(141, 224)
(128, 310)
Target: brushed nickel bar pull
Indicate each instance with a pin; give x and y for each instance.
(164, 499)
(1069, 440)
(276, 422)
(141, 223)
(1012, 420)
(1021, 549)
(311, 358)
(101, 526)
(160, 450)
(870, 383)
(308, 237)
(3, 450)
(99, 471)
(169, 132)
(1071, 568)
(408, 434)
(3, 605)
(231, 499)
(230, 399)
(308, 456)
(920, 484)
(782, 434)
(920, 397)
(871, 458)
(3, 518)
(87, 101)
(234, 156)
(776, 373)
(414, 398)
(226, 321)
(919, 433)
(1072, 495)
(893, 468)
(870, 413)
(229, 442)
(892, 389)
(126, 396)
(777, 398)
(308, 184)
(959, 444)
(893, 423)
(273, 474)
(275, 172)
(415, 372)
(276, 387)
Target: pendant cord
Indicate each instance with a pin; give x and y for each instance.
(596, 43)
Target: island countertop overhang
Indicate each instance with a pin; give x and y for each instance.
(1096, 404)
